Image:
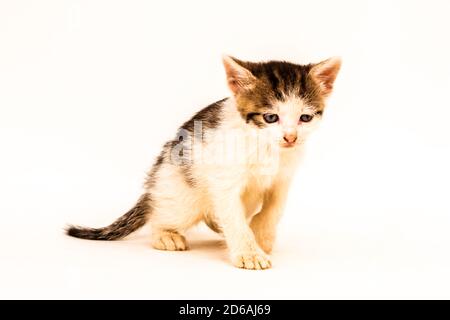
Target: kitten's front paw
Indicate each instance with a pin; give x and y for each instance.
(251, 261)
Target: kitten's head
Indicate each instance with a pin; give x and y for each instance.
(286, 98)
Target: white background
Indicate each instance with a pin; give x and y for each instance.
(90, 90)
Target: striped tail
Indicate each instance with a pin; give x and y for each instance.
(134, 219)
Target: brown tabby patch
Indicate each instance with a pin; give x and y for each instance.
(276, 80)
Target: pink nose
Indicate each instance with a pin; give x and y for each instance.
(290, 137)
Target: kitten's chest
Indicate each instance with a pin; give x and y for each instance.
(253, 193)
(260, 178)
(264, 173)
(263, 177)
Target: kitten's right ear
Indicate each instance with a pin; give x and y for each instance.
(325, 73)
(238, 77)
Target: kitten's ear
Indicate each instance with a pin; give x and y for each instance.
(238, 77)
(325, 73)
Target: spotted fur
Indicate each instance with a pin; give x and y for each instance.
(241, 200)
(277, 81)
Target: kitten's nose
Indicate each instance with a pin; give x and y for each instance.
(290, 137)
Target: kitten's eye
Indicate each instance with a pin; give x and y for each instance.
(270, 117)
(306, 118)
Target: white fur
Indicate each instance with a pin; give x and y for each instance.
(243, 198)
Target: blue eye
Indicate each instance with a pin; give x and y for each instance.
(306, 118)
(270, 117)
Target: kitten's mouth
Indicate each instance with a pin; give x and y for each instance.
(288, 145)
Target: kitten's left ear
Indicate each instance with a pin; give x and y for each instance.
(239, 78)
(325, 73)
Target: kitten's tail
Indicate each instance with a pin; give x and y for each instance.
(134, 219)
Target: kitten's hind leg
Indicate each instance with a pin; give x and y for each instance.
(168, 240)
(175, 209)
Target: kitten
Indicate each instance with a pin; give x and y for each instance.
(231, 164)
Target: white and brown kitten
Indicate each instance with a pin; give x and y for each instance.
(231, 164)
